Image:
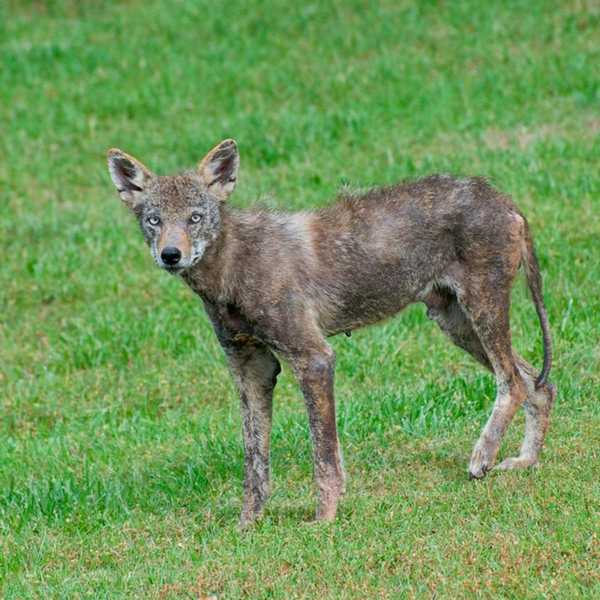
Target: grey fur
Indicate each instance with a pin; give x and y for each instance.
(279, 284)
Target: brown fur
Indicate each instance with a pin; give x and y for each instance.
(278, 284)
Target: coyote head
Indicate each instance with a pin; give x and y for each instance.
(180, 215)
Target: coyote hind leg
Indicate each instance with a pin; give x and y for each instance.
(444, 309)
(481, 328)
(537, 408)
(486, 307)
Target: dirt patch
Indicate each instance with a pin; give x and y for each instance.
(523, 137)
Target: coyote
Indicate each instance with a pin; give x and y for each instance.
(276, 285)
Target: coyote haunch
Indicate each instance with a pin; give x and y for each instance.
(276, 285)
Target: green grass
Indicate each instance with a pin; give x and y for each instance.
(120, 445)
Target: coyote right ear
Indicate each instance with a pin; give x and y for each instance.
(129, 175)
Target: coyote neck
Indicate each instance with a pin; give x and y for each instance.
(215, 275)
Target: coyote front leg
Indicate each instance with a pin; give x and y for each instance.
(315, 373)
(255, 371)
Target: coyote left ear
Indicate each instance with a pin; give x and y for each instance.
(219, 169)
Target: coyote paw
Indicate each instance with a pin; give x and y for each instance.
(249, 516)
(516, 462)
(329, 497)
(482, 460)
(247, 520)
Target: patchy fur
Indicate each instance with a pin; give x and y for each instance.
(277, 284)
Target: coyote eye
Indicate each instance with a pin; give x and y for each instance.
(195, 218)
(153, 221)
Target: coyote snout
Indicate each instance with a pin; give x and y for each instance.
(276, 285)
(172, 246)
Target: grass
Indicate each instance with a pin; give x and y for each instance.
(120, 446)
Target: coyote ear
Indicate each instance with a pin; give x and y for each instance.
(219, 168)
(129, 175)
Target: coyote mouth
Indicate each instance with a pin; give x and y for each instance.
(174, 270)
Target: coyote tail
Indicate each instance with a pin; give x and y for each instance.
(534, 282)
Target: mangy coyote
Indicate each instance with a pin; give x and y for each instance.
(277, 285)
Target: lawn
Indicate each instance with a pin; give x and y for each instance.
(120, 442)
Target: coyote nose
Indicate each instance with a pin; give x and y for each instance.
(170, 255)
